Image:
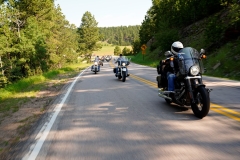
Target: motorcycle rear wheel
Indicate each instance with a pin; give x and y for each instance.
(201, 106)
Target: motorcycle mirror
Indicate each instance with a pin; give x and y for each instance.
(202, 51)
(168, 53)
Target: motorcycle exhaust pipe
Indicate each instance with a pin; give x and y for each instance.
(160, 94)
(164, 96)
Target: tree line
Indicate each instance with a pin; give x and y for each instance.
(121, 36)
(35, 37)
(165, 21)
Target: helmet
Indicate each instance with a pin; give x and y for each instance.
(176, 46)
(120, 54)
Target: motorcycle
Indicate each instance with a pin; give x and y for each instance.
(95, 67)
(102, 58)
(107, 58)
(189, 87)
(121, 70)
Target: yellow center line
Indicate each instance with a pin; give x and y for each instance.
(225, 111)
(144, 80)
(214, 107)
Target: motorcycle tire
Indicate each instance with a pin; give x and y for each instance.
(119, 76)
(201, 106)
(123, 76)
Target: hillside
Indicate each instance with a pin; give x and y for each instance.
(223, 53)
(223, 49)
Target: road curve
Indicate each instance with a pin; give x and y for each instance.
(104, 118)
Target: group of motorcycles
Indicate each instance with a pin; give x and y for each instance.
(189, 88)
(96, 65)
(120, 71)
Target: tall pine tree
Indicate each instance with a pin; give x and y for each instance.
(88, 35)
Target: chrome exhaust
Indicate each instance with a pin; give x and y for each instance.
(162, 94)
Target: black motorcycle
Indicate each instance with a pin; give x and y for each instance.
(189, 87)
(122, 69)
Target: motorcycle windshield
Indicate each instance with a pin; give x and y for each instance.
(188, 57)
(124, 60)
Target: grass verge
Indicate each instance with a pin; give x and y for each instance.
(21, 106)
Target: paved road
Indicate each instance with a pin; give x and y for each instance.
(103, 118)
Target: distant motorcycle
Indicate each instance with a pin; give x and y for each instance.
(189, 87)
(121, 70)
(95, 67)
(102, 58)
(107, 58)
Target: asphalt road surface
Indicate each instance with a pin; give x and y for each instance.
(99, 117)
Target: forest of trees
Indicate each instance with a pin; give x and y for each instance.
(35, 37)
(166, 19)
(122, 35)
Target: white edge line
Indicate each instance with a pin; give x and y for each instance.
(44, 132)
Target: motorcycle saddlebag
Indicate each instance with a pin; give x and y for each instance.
(158, 69)
(158, 79)
(114, 70)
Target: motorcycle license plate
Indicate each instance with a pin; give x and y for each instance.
(124, 69)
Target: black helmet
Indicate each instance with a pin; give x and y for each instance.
(120, 54)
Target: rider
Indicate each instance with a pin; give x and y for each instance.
(120, 58)
(97, 60)
(171, 74)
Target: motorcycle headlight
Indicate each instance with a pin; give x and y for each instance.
(194, 70)
(95, 63)
(124, 64)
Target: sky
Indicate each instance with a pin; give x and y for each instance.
(108, 13)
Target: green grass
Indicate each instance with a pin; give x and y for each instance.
(228, 56)
(146, 59)
(108, 49)
(14, 95)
